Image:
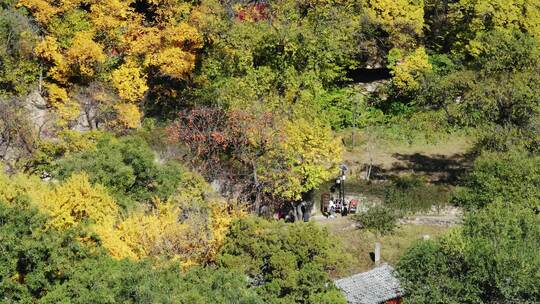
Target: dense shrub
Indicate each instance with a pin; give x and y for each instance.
(43, 265)
(492, 259)
(379, 219)
(410, 194)
(513, 178)
(111, 281)
(127, 167)
(507, 138)
(34, 260)
(285, 263)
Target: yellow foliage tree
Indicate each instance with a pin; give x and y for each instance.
(58, 98)
(49, 50)
(128, 115)
(189, 228)
(80, 59)
(76, 201)
(109, 16)
(43, 10)
(190, 236)
(129, 81)
(484, 15)
(20, 185)
(164, 42)
(173, 62)
(85, 54)
(402, 19)
(306, 156)
(407, 70)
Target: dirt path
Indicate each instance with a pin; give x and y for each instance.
(449, 216)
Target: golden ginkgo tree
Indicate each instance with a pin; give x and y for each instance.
(119, 43)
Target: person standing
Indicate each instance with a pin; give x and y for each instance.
(331, 208)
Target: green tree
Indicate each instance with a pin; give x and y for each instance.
(42, 265)
(512, 178)
(292, 54)
(19, 70)
(380, 220)
(33, 259)
(285, 263)
(492, 259)
(435, 272)
(497, 84)
(110, 281)
(127, 167)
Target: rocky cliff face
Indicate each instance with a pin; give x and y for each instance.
(39, 114)
(22, 122)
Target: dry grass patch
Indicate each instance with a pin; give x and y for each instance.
(358, 243)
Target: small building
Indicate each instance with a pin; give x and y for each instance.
(377, 286)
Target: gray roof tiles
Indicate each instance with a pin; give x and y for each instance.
(372, 287)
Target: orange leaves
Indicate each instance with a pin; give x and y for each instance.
(218, 137)
(253, 12)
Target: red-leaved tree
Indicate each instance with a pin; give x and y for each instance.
(227, 147)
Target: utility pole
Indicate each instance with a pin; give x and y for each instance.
(342, 178)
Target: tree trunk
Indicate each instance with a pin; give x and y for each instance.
(299, 214)
(309, 199)
(293, 211)
(257, 186)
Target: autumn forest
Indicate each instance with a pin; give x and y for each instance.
(235, 151)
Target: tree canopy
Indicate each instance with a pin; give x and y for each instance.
(143, 141)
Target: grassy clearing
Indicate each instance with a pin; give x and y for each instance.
(358, 243)
(429, 152)
(432, 159)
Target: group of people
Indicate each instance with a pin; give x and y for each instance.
(338, 206)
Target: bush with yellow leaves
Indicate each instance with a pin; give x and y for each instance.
(129, 81)
(189, 228)
(407, 69)
(66, 108)
(77, 201)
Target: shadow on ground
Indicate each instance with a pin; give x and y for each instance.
(439, 169)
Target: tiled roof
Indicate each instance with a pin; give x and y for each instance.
(372, 287)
